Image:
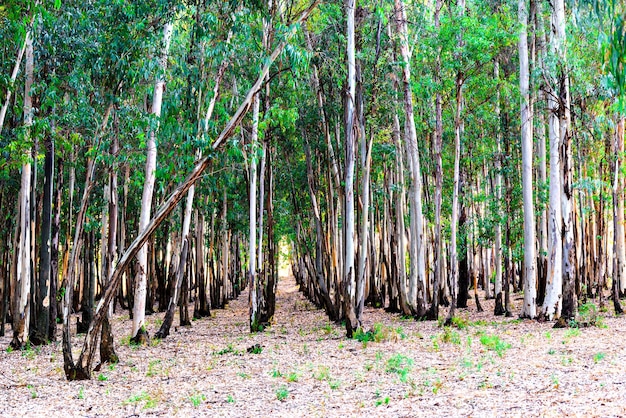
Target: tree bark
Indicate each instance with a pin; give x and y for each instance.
(417, 280)
(529, 309)
(139, 332)
(21, 285)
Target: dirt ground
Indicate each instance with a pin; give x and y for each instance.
(306, 367)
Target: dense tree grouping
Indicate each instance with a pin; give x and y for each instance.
(158, 155)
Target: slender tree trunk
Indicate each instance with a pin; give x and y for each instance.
(139, 332)
(565, 148)
(349, 273)
(618, 218)
(453, 276)
(529, 309)
(28, 42)
(21, 285)
(417, 281)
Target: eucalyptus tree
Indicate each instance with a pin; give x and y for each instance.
(570, 271)
(139, 307)
(21, 306)
(529, 309)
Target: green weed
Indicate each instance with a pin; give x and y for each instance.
(494, 343)
(400, 365)
(282, 393)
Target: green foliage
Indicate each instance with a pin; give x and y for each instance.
(143, 398)
(400, 365)
(196, 399)
(494, 343)
(282, 393)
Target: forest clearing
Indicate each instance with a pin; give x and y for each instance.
(305, 366)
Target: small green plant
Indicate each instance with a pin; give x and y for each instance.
(102, 377)
(230, 399)
(598, 357)
(196, 399)
(555, 381)
(450, 336)
(282, 393)
(141, 397)
(334, 384)
(228, 350)
(494, 343)
(460, 323)
(383, 401)
(255, 349)
(327, 328)
(81, 393)
(9, 349)
(243, 375)
(33, 392)
(292, 377)
(322, 373)
(400, 365)
(276, 373)
(571, 332)
(551, 351)
(152, 368)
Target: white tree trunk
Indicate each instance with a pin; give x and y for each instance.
(529, 310)
(22, 283)
(252, 254)
(417, 278)
(565, 148)
(28, 43)
(139, 307)
(621, 245)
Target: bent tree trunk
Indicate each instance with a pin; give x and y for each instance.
(82, 368)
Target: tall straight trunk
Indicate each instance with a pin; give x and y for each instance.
(43, 289)
(456, 186)
(417, 281)
(107, 349)
(54, 253)
(620, 274)
(498, 307)
(529, 310)
(252, 254)
(540, 44)
(438, 145)
(565, 148)
(139, 306)
(21, 283)
(552, 303)
(618, 218)
(349, 273)
(366, 162)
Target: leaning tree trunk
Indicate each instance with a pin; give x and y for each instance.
(139, 332)
(82, 369)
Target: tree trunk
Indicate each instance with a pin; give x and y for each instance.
(565, 148)
(21, 285)
(139, 332)
(529, 309)
(417, 281)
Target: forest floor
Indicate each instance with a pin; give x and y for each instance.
(491, 367)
